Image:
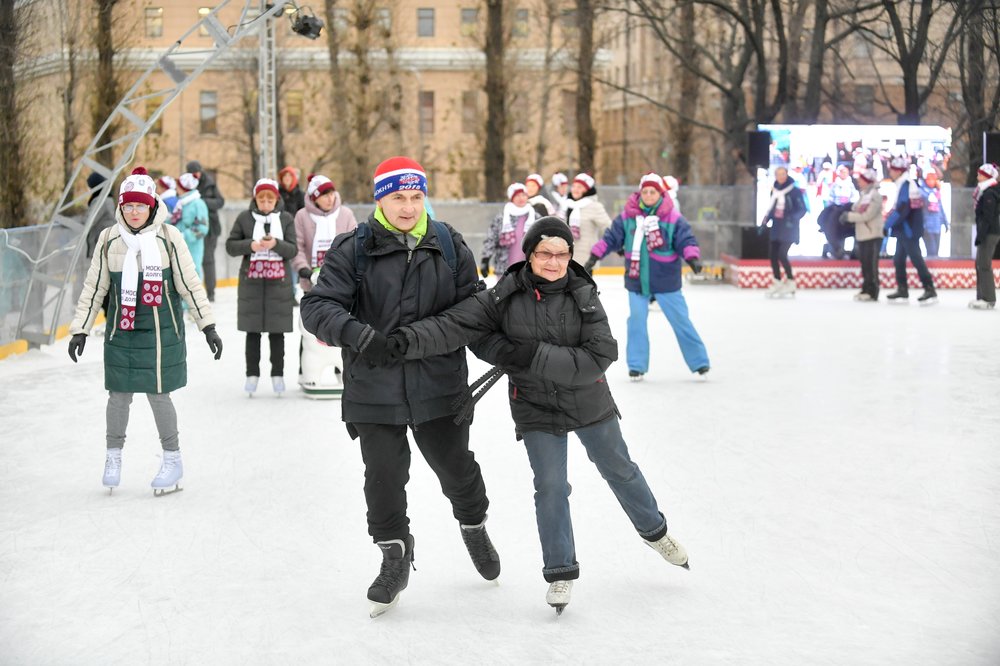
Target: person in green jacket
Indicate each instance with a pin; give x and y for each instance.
(144, 267)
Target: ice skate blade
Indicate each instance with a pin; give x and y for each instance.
(929, 301)
(559, 608)
(686, 565)
(160, 492)
(379, 609)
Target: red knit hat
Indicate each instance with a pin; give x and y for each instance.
(267, 184)
(535, 178)
(399, 173)
(514, 188)
(138, 188)
(989, 170)
(652, 180)
(318, 185)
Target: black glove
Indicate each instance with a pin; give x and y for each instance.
(396, 345)
(305, 273)
(591, 261)
(484, 267)
(213, 340)
(885, 232)
(376, 350)
(695, 266)
(517, 354)
(76, 345)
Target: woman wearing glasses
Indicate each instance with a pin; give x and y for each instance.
(544, 324)
(655, 238)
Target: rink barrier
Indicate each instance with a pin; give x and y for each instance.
(846, 274)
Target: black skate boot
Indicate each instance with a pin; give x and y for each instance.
(481, 550)
(929, 297)
(397, 558)
(899, 296)
(635, 375)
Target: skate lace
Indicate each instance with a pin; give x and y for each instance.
(166, 468)
(478, 543)
(112, 464)
(666, 546)
(560, 587)
(391, 573)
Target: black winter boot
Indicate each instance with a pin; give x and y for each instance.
(481, 550)
(397, 558)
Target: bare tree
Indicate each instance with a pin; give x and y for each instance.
(12, 185)
(550, 13)
(978, 55)
(586, 135)
(107, 87)
(494, 154)
(69, 21)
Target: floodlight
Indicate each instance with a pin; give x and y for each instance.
(305, 22)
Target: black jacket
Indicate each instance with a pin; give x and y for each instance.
(294, 199)
(213, 199)
(564, 388)
(988, 213)
(399, 286)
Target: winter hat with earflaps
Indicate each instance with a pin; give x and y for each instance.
(141, 247)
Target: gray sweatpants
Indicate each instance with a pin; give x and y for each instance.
(163, 413)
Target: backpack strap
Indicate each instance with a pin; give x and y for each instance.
(447, 247)
(360, 258)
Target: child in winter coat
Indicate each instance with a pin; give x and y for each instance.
(655, 238)
(265, 238)
(191, 217)
(144, 266)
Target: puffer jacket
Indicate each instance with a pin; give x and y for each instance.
(151, 358)
(263, 305)
(866, 214)
(399, 286)
(564, 388)
(305, 233)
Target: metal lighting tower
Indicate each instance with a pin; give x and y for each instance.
(266, 94)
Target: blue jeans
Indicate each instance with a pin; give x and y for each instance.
(606, 449)
(676, 311)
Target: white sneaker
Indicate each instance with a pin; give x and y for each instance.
(558, 594)
(112, 468)
(171, 471)
(980, 304)
(671, 550)
(278, 384)
(251, 385)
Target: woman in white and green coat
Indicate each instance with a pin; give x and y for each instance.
(145, 269)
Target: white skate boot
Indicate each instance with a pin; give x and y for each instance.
(112, 469)
(251, 386)
(278, 385)
(558, 595)
(787, 288)
(671, 550)
(171, 471)
(774, 291)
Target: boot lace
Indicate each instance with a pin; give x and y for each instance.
(167, 467)
(480, 548)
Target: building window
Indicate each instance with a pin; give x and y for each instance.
(293, 111)
(470, 183)
(425, 22)
(470, 111)
(154, 21)
(208, 111)
(521, 23)
(426, 106)
(383, 17)
(470, 21)
(866, 99)
(151, 106)
(202, 13)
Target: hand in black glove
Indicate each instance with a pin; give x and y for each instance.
(591, 261)
(695, 265)
(376, 350)
(396, 345)
(213, 340)
(76, 345)
(484, 267)
(517, 354)
(305, 272)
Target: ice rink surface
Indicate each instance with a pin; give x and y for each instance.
(836, 482)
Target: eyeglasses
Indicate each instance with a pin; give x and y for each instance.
(562, 257)
(135, 208)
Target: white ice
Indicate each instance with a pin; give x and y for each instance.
(835, 481)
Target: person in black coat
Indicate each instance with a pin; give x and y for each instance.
(406, 276)
(987, 198)
(544, 324)
(213, 198)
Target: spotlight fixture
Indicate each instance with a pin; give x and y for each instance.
(305, 23)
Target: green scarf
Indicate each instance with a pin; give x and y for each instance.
(418, 232)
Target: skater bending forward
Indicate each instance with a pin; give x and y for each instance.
(544, 324)
(394, 269)
(145, 268)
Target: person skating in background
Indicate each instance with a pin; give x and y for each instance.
(143, 265)
(190, 216)
(105, 216)
(934, 216)
(166, 189)
(398, 267)
(866, 216)
(544, 324)
(292, 197)
(559, 195)
(784, 212)
(321, 219)
(265, 238)
(588, 219)
(212, 197)
(673, 188)
(534, 184)
(655, 238)
(502, 245)
(906, 223)
(987, 207)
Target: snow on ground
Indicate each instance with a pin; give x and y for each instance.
(835, 481)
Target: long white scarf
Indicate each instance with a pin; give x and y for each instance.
(326, 230)
(778, 199)
(561, 204)
(980, 188)
(142, 247)
(192, 195)
(258, 232)
(575, 215)
(510, 214)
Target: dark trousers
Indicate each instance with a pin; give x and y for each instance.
(277, 343)
(910, 247)
(208, 265)
(386, 454)
(932, 242)
(868, 251)
(778, 253)
(986, 288)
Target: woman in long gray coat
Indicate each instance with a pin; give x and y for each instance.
(544, 324)
(265, 238)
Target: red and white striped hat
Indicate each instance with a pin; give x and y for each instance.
(537, 179)
(652, 180)
(585, 179)
(266, 184)
(514, 188)
(989, 170)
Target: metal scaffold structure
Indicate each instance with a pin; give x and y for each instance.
(53, 273)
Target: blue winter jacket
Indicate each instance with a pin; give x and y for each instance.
(907, 217)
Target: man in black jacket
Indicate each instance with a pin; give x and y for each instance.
(213, 199)
(402, 271)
